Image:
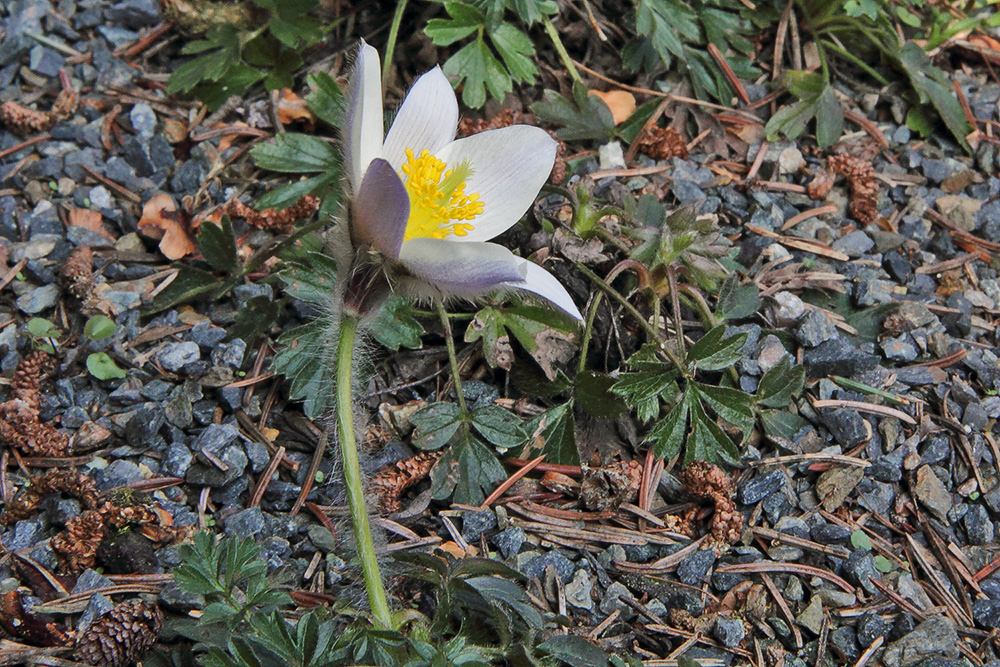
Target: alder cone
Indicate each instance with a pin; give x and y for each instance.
(122, 636)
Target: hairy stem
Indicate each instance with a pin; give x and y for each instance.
(352, 475)
(561, 49)
(449, 340)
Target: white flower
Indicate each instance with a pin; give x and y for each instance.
(429, 201)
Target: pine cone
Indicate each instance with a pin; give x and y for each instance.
(21, 429)
(860, 176)
(121, 636)
(76, 546)
(280, 222)
(23, 120)
(28, 378)
(662, 143)
(393, 479)
(78, 272)
(54, 481)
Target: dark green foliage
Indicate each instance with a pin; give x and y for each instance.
(585, 116)
(292, 153)
(816, 100)
(229, 60)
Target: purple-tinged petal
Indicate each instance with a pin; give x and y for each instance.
(381, 210)
(363, 138)
(544, 284)
(509, 166)
(428, 119)
(467, 270)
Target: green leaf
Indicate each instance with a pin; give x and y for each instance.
(684, 661)
(780, 384)
(934, 86)
(189, 284)
(326, 99)
(99, 327)
(829, 119)
(816, 100)
(468, 471)
(296, 153)
(883, 564)
(557, 428)
(648, 380)
(256, 316)
(435, 424)
(668, 434)
(302, 357)
(311, 279)
(499, 427)
(42, 328)
(584, 117)
(464, 20)
(217, 244)
(781, 426)
(712, 352)
(103, 367)
(326, 186)
(918, 120)
(594, 392)
(394, 326)
(574, 650)
(479, 69)
(516, 49)
(733, 405)
(860, 540)
(633, 125)
(499, 590)
(737, 300)
(708, 442)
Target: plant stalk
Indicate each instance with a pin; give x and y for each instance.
(561, 49)
(449, 340)
(352, 476)
(390, 46)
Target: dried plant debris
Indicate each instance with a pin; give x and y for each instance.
(274, 220)
(860, 176)
(393, 479)
(77, 272)
(605, 488)
(57, 480)
(122, 636)
(20, 425)
(710, 482)
(37, 629)
(76, 546)
(662, 143)
(24, 120)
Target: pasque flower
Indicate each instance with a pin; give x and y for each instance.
(427, 203)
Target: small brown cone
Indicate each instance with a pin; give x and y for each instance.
(122, 636)
(78, 272)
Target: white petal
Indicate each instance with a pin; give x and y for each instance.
(466, 270)
(364, 115)
(427, 119)
(544, 284)
(510, 166)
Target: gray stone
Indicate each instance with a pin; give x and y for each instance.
(854, 244)
(788, 309)
(89, 580)
(612, 602)
(859, 569)
(174, 356)
(986, 614)
(846, 425)
(978, 526)
(143, 119)
(934, 637)
(870, 627)
(179, 601)
(245, 523)
(134, 14)
(509, 541)
(39, 299)
(97, 606)
(837, 357)
(579, 591)
(729, 632)
(178, 459)
(975, 417)
(812, 616)
(26, 534)
(845, 641)
(117, 475)
(535, 568)
(229, 355)
(932, 493)
(474, 524)
(694, 569)
(754, 490)
(815, 328)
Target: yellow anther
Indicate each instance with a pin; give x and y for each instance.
(437, 198)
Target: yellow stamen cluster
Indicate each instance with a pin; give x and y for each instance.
(437, 204)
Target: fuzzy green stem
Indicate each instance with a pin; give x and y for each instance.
(588, 332)
(352, 475)
(449, 341)
(390, 46)
(561, 49)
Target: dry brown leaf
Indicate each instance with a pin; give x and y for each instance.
(292, 108)
(88, 219)
(174, 130)
(621, 103)
(226, 140)
(985, 42)
(161, 220)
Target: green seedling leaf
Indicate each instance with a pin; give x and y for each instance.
(99, 327)
(708, 442)
(593, 391)
(516, 50)
(557, 429)
(883, 564)
(585, 117)
(649, 380)
(738, 300)
(780, 384)
(217, 244)
(42, 328)
(934, 87)
(574, 650)
(301, 358)
(498, 427)
(816, 100)
(103, 367)
(395, 327)
(294, 153)
(311, 279)
(326, 99)
(467, 472)
(860, 540)
(435, 425)
(712, 352)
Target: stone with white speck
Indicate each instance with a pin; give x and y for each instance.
(143, 119)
